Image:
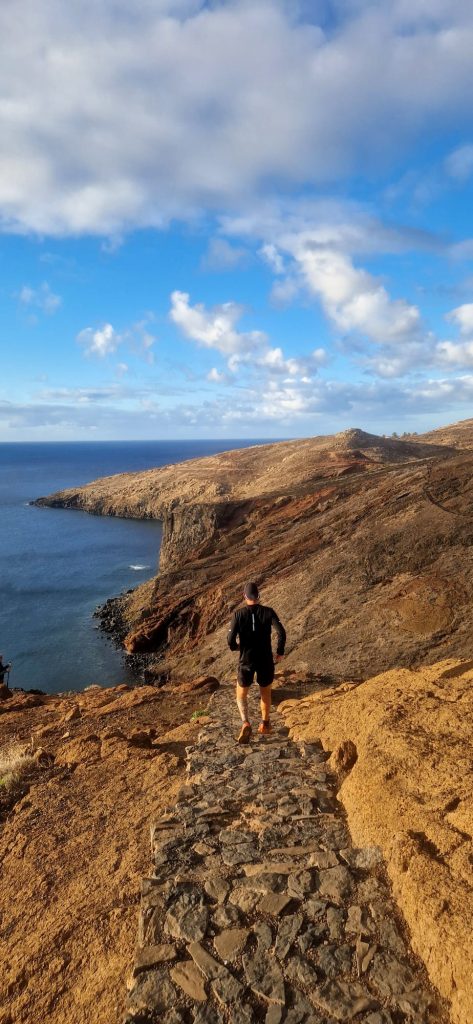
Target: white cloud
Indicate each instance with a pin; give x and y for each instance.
(272, 257)
(274, 361)
(314, 407)
(459, 163)
(216, 329)
(462, 316)
(101, 342)
(452, 354)
(353, 299)
(116, 117)
(40, 298)
(104, 341)
(216, 376)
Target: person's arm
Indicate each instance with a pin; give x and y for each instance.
(233, 633)
(281, 634)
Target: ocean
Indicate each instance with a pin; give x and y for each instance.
(56, 566)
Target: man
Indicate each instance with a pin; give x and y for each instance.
(4, 669)
(252, 625)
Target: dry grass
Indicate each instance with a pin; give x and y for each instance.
(16, 761)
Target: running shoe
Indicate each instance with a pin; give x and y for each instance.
(245, 734)
(264, 728)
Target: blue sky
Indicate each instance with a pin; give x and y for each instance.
(235, 219)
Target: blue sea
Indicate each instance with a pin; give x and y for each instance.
(56, 565)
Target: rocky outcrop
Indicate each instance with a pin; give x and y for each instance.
(408, 789)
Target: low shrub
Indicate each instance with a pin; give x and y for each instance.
(16, 763)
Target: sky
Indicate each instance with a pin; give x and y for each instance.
(234, 219)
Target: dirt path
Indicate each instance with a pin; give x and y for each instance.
(259, 908)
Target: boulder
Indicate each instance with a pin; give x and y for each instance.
(205, 684)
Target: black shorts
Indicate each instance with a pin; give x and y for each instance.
(264, 674)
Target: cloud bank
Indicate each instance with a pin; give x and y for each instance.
(116, 117)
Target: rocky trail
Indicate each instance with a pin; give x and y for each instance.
(259, 907)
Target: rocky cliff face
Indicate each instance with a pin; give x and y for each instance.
(361, 543)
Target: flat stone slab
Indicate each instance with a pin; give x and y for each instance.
(274, 903)
(336, 883)
(342, 999)
(288, 931)
(151, 956)
(230, 943)
(265, 978)
(224, 985)
(188, 977)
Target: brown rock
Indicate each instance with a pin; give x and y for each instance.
(230, 943)
(73, 714)
(274, 903)
(5, 692)
(189, 978)
(151, 956)
(207, 684)
(141, 738)
(345, 756)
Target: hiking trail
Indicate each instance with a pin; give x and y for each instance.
(259, 907)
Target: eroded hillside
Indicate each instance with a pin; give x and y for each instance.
(362, 543)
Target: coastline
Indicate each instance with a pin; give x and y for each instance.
(363, 549)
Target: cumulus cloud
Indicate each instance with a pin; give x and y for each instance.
(217, 329)
(116, 117)
(101, 342)
(41, 298)
(454, 353)
(105, 340)
(458, 353)
(315, 247)
(354, 300)
(462, 316)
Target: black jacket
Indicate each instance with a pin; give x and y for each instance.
(252, 625)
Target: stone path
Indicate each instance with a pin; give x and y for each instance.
(259, 907)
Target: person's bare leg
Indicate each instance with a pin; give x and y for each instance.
(242, 703)
(265, 700)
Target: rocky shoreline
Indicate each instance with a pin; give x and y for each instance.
(113, 623)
